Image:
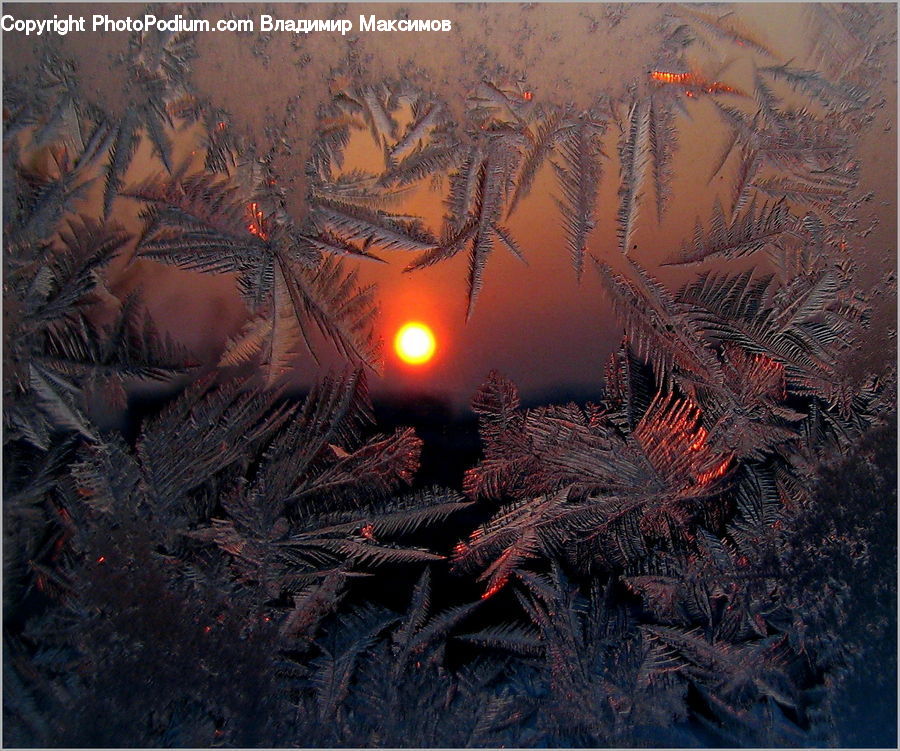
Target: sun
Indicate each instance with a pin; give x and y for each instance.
(414, 343)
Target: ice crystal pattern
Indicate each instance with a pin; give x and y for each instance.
(661, 567)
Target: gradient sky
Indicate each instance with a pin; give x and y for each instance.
(534, 323)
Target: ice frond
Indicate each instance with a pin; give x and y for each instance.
(724, 27)
(356, 190)
(661, 330)
(371, 228)
(539, 146)
(511, 637)
(201, 223)
(745, 234)
(663, 144)
(839, 96)
(407, 515)
(578, 173)
(425, 161)
(634, 154)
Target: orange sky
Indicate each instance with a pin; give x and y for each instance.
(534, 323)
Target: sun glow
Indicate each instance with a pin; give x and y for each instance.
(414, 343)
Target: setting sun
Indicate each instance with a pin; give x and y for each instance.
(414, 343)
